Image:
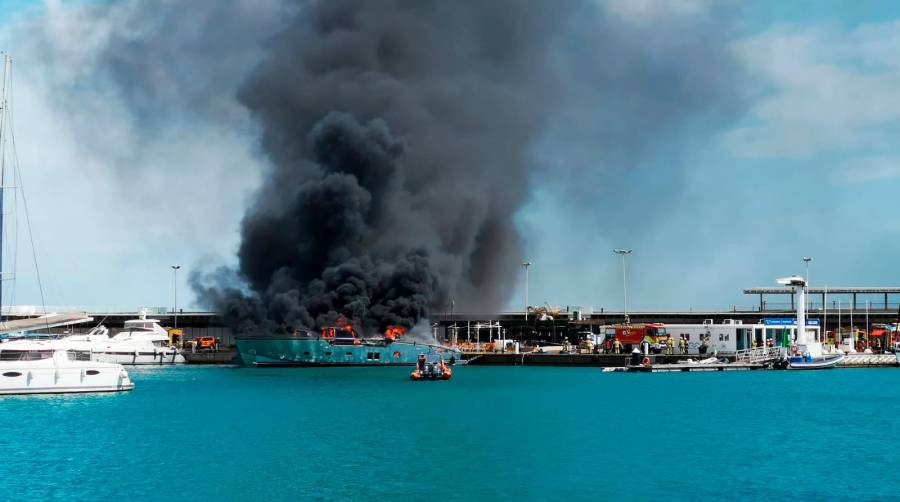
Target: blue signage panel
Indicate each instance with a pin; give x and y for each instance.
(787, 321)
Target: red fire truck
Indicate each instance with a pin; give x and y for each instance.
(631, 336)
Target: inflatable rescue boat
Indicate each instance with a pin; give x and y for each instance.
(435, 369)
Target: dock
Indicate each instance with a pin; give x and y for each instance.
(868, 360)
(571, 359)
(225, 356)
(746, 360)
(695, 367)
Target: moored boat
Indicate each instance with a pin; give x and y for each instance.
(142, 342)
(45, 371)
(339, 346)
(806, 361)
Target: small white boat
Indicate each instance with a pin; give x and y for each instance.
(41, 370)
(806, 359)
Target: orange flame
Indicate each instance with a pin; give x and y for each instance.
(394, 332)
(340, 325)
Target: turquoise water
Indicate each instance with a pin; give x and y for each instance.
(188, 433)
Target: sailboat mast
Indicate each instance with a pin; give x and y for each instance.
(4, 124)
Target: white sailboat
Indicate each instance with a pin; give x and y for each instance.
(44, 366)
(807, 353)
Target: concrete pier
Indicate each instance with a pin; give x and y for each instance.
(622, 360)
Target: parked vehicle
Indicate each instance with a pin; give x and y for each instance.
(631, 336)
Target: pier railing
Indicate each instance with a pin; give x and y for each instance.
(760, 354)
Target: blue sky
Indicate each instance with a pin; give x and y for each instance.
(809, 167)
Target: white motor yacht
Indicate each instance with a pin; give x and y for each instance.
(143, 341)
(39, 369)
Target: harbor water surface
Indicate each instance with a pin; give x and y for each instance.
(188, 433)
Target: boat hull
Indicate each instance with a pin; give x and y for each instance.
(30, 379)
(822, 363)
(140, 358)
(273, 351)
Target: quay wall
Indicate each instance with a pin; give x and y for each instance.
(619, 360)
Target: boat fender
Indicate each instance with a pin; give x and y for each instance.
(645, 361)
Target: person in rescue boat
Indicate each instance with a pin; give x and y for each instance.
(420, 364)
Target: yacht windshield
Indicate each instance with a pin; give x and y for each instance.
(25, 355)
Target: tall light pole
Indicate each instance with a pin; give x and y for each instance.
(623, 253)
(525, 265)
(175, 290)
(807, 259)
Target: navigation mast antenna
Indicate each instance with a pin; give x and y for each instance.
(4, 121)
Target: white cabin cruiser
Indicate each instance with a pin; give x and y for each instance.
(39, 369)
(143, 341)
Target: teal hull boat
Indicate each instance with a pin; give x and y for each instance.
(317, 351)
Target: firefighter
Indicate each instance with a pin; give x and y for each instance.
(682, 344)
(617, 346)
(670, 346)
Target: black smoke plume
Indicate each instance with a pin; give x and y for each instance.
(399, 136)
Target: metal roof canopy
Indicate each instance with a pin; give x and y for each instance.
(44, 322)
(819, 291)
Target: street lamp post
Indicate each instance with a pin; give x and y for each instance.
(807, 259)
(525, 265)
(623, 253)
(175, 290)
(867, 324)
